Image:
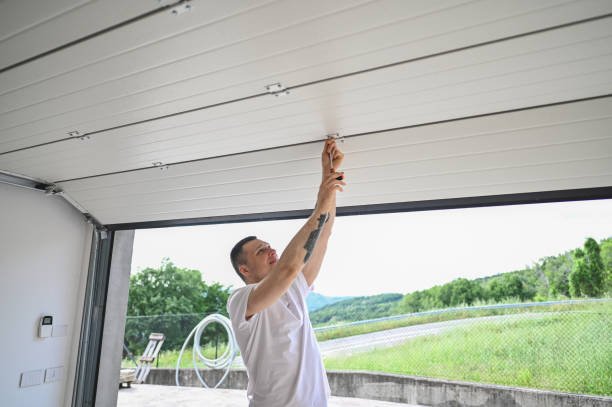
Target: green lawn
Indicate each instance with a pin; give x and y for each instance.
(168, 359)
(351, 330)
(567, 352)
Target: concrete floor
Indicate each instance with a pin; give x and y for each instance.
(148, 395)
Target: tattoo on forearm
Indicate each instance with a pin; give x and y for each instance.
(314, 236)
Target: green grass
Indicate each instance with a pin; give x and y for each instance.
(168, 359)
(345, 331)
(567, 352)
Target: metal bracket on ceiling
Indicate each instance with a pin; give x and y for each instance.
(54, 190)
(77, 135)
(277, 89)
(335, 136)
(181, 8)
(22, 181)
(161, 165)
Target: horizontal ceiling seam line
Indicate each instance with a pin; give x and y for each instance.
(90, 106)
(203, 52)
(405, 206)
(480, 134)
(89, 134)
(86, 135)
(349, 136)
(386, 179)
(310, 173)
(390, 194)
(92, 35)
(190, 135)
(232, 128)
(455, 50)
(582, 21)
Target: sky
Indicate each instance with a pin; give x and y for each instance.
(399, 252)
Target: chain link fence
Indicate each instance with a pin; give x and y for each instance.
(176, 328)
(563, 345)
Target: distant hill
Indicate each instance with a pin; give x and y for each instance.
(316, 301)
(356, 309)
(547, 279)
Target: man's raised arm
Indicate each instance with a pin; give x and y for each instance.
(331, 160)
(299, 250)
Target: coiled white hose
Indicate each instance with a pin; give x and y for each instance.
(223, 362)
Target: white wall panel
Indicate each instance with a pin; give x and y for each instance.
(566, 146)
(392, 31)
(44, 254)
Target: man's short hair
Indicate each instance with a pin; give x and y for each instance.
(237, 255)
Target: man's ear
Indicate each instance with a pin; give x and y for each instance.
(244, 270)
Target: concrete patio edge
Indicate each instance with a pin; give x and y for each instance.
(405, 389)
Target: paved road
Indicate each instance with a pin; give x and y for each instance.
(392, 337)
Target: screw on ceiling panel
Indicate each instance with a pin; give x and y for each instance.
(336, 137)
(277, 89)
(160, 165)
(181, 8)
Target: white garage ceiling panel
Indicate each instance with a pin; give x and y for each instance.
(294, 42)
(437, 99)
(29, 28)
(557, 147)
(569, 63)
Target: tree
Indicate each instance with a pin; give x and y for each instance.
(557, 270)
(606, 257)
(460, 291)
(157, 295)
(579, 275)
(588, 274)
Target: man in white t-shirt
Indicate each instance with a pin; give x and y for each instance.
(269, 315)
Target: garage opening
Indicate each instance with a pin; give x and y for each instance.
(516, 296)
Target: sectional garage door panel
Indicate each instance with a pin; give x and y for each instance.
(566, 64)
(162, 110)
(30, 28)
(191, 68)
(559, 147)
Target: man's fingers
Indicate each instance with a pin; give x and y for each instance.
(335, 175)
(332, 183)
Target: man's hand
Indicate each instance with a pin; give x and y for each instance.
(331, 158)
(326, 199)
(331, 180)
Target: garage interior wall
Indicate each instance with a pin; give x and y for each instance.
(44, 253)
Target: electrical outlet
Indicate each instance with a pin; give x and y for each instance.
(31, 378)
(54, 374)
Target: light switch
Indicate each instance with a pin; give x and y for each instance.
(31, 378)
(54, 374)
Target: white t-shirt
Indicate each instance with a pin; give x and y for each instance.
(280, 350)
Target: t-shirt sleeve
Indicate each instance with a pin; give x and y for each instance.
(302, 285)
(237, 306)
